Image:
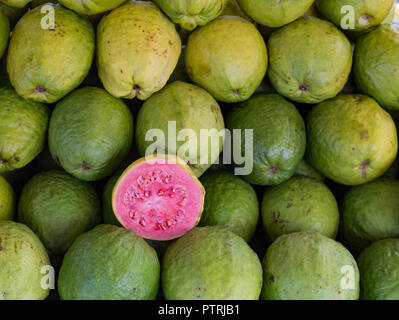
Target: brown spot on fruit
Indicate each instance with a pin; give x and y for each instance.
(272, 169)
(85, 166)
(289, 205)
(303, 87)
(40, 89)
(271, 278)
(3, 161)
(364, 134)
(235, 92)
(363, 168)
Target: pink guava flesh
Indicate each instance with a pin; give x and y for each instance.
(158, 200)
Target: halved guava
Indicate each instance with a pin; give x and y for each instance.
(158, 198)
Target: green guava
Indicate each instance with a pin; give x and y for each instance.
(351, 139)
(376, 65)
(306, 170)
(184, 120)
(47, 62)
(12, 13)
(299, 204)
(230, 65)
(90, 7)
(23, 127)
(7, 200)
(23, 261)
(138, 48)
(16, 3)
(379, 271)
(193, 13)
(364, 13)
(309, 60)
(309, 266)
(90, 133)
(370, 212)
(58, 208)
(277, 142)
(211, 263)
(230, 202)
(4, 32)
(275, 13)
(109, 263)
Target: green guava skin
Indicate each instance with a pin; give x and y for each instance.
(370, 212)
(22, 257)
(23, 127)
(190, 14)
(192, 108)
(229, 65)
(58, 208)
(107, 211)
(43, 64)
(81, 139)
(4, 32)
(376, 65)
(16, 3)
(211, 263)
(7, 200)
(391, 15)
(306, 170)
(299, 204)
(368, 13)
(109, 263)
(351, 139)
(91, 7)
(230, 202)
(279, 137)
(275, 13)
(136, 58)
(297, 60)
(309, 266)
(379, 271)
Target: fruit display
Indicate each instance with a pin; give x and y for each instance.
(199, 150)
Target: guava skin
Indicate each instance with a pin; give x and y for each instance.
(309, 266)
(23, 127)
(136, 58)
(299, 204)
(379, 271)
(297, 60)
(211, 263)
(7, 200)
(46, 64)
(370, 212)
(351, 139)
(192, 108)
(279, 137)
(275, 13)
(91, 7)
(368, 13)
(58, 208)
(81, 139)
(16, 3)
(306, 170)
(4, 33)
(230, 202)
(376, 65)
(107, 211)
(109, 263)
(193, 13)
(229, 65)
(22, 257)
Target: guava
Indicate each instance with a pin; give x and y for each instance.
(109, 263)
(58, 208)
(184, 120)
(90, 7)
(299, 204)
(16, 3)
(309, 266)
(379, 271)
(4, 32)
(351, 139)
(277, 143)
(365, 13)
(193, 13)
(376, 65)
(138, 48)
(370, 212)
(211, 263)
(90, 133)
(47, 62)
(230, 202)
(7, 200)
(306, 170)
(230, 65)
(24, 262)
(309, 60)
(275, 13)
(158, 198)
(23, 127)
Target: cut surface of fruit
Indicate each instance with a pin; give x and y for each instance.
(158, 198)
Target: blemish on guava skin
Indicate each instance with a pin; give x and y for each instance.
(16, 159)
(235, 92)
(363, 167)
(57, 160)
(137, 88)
(3, 161)
(364, 134)
(85, 166)
(271, 278)
(303, 87)
(84, 5)
(272, 169)
(289, 205)
(40, 89)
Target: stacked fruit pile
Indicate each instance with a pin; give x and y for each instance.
(110, 188)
